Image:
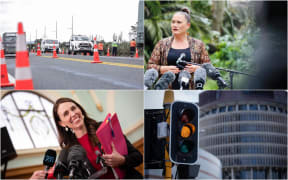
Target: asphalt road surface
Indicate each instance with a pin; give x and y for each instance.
(77, 72)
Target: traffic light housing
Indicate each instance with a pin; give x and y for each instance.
(183, 145)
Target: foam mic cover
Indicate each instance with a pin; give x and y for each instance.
(211, 71)
(150, 77)
(183, 79)
(163, 83)
(214, 74)
(199, 78)
(78, 163)
(61, 167)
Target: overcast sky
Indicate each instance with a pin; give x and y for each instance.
(91, 17)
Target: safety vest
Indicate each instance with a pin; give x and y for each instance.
(114, 44)
(132, 43)
(100, 46)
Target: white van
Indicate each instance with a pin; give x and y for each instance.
(47, 45)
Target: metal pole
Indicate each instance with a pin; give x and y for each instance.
(72, 25)
(44, 32)
(56, 30)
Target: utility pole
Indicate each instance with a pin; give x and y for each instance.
(72, 25)
(56, 30)
(44, 31)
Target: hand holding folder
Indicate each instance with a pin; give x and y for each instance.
(110, 131)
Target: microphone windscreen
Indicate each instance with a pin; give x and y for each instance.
(167, 78)
(63, 156)
(150, 77)
(76, 152)
(184, 75)
(211, 71)
(200, 75)
(49, 158)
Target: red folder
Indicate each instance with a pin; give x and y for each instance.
(110, 131)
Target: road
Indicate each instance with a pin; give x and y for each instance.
(77, 72)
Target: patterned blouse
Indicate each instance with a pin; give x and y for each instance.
(159, 55)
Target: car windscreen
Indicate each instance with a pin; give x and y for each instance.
(81, 38)
(9, 37)
(51, 41)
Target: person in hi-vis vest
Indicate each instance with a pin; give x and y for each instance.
(114, 48)
(100, 48)
(132, 47)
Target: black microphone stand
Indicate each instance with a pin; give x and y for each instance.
(181, 63)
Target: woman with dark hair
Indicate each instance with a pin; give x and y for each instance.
(168, 50)
(75, 127)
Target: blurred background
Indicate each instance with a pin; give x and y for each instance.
(27, 116)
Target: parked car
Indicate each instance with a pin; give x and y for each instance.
(47, 45)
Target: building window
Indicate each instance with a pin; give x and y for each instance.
(231, 108)
(273, 108)
(222, 109)
(253, 107)
(214, 111)
(28, 119)
(242, 107)
(280, 109)
(263, 108)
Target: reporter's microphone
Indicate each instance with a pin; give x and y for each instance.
(150, 77)
(183, 79)
(163, 83)
(49, 160)
(61, 168)
(199, 78)
(182, 55)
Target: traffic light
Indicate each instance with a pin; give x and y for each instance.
(183, 145)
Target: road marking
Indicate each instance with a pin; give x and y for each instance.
(107, 63)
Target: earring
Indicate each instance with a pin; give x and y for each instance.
(66, 129)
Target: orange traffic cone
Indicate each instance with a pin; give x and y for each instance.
(4, 74)
(88, 54)
(23, 73)
(136, 55)
(38, 50)
(108, 53)
(63, 51)
(96, 54)
(54, 51)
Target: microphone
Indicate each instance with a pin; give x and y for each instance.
(150, 77)
(181, 63)
(79, 166)
(61, 168)
(182, 55)
(214, 74)
(183, 79)
(49, 160)
(167, 78)
(199, 78)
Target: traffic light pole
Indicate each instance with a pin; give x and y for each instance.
(187, 171)
(168, 99)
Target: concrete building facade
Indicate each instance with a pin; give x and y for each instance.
(247, 131)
